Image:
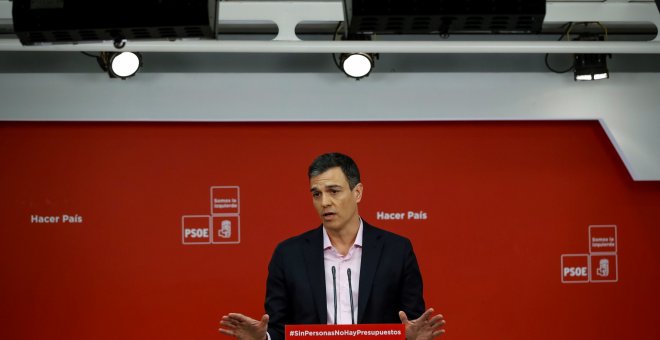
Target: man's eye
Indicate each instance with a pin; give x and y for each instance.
(316, 194)
(334, 191)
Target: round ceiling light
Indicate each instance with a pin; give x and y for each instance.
(357, 65)
(125, 64)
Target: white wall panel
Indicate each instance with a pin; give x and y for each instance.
(628, 104)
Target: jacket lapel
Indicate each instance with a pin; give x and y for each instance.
(313, 253)
(371, 250)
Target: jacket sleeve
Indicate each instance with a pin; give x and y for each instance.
(412, 293)
(276, 304)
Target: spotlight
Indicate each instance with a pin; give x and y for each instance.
(585, 66)
(357, 65)
(120, 64)
(591, 67)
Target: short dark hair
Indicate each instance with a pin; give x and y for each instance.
(332, 160)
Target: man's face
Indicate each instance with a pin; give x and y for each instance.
(334, 201)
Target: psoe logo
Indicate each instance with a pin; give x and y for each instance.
(575, 268)
(221, 226)
(196, 229)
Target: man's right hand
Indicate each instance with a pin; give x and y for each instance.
(243, 327)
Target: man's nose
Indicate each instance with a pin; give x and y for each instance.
(325, 200)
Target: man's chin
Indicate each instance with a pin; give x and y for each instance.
(331, 224)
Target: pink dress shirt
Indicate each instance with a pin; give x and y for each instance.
(342, 263)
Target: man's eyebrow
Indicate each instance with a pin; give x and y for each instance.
(332, 186)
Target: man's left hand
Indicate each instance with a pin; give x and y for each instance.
(426, 327)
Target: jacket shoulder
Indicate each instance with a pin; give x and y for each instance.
(385, 235)
(308, 236)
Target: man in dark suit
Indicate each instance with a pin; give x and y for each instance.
(307, 272)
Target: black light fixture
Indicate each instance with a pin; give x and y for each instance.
(444, 16)
(73, 21)
(591, 67)
(585, 66)
(355, 65)
(121, 65)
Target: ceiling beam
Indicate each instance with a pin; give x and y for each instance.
(288, 14)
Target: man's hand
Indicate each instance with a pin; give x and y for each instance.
(423, 328)
(244, 327)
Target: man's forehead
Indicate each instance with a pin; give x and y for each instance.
(332, 177)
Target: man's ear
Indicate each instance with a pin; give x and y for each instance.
(357, 192)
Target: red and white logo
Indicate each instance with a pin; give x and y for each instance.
(600, 265)
(196, 229)
(575, 268)
(222, 226)
(225, 200)
(604, 268)
(225, 229)
(602, 239)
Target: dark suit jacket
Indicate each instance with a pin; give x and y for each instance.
(390, 281)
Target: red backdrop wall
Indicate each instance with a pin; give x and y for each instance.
(503, 202)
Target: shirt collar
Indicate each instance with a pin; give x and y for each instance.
(358, 239)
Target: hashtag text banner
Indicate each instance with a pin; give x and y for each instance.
(354, 332)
